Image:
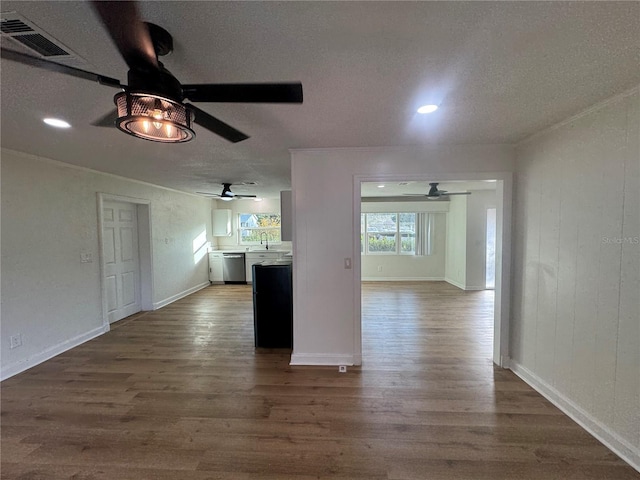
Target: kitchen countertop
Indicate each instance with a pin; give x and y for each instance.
(244, 250)
(270, 263)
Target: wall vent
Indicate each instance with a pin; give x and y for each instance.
(17, 29)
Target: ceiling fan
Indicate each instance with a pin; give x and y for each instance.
(226, 194)
(152, 105)
(434, 193)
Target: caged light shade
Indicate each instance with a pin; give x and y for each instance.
(153, 117)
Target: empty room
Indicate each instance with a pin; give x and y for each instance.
(320, 240)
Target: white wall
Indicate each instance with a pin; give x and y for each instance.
(408, 267)
(477, 204)
(49, 217)
(267, 205)
(576, 313)
(456, 254)
(325, 197)
(466, 239)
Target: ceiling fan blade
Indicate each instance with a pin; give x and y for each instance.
(245, 92)
(415, 194)
(244, 196)
(56, 67)
(456, 193)
(129, 33)
(216, 126)
(108, 120)
(209, 194)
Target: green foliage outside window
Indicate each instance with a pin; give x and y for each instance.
(382, 243)
(253, 235)
(407, 243)
(382, 230)
(257, 227)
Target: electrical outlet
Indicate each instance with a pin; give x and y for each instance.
(379, 268)
(347, 263)
(15, 340)
(342, 369)
(86, 258)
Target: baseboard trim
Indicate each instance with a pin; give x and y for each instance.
(454, 283)
(178, 296)
(464, 287)
(22, 365)
(604, 434)
(402, 279)
(326, 359)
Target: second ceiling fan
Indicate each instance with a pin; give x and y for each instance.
(435, 194)
(226, 194)
(152, 105)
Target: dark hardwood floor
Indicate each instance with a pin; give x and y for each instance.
(180, 393)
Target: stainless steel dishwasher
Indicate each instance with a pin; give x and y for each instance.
(233, 268)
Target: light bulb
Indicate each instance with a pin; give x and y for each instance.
(157, 113)
(145, 126)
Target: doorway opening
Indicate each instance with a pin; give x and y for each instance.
(125, 256)
(490, 247)
(426, 289)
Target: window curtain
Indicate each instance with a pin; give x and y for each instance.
(424, 234)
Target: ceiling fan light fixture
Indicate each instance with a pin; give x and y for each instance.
(153, 117)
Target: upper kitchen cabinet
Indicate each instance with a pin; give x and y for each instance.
(286, 220)
(221, 223)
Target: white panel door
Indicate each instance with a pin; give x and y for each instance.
(122, 266)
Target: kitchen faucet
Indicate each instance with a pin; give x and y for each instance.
(266, 239)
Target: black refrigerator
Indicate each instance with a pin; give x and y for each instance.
(273, 304)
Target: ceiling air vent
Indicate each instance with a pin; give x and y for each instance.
(40, 44)
(16, 28)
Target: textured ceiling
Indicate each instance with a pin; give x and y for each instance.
(499, 70)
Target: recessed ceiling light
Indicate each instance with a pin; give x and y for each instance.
(56, 122)
(380, 186)
(427, 108)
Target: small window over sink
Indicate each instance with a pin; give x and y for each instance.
(258, 227)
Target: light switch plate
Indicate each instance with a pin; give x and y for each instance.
(15, 341)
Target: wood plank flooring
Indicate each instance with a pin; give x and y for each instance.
(180, 393)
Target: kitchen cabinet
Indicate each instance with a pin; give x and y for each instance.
(215, 268)
(221, 221)
(251, 258)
